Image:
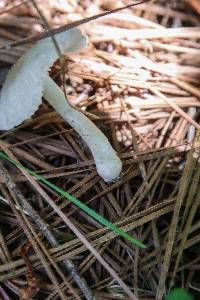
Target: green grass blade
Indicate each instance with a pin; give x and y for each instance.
(77, 202)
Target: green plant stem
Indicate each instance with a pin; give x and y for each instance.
(77, 202)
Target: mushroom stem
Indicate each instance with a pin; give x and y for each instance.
(107, 162)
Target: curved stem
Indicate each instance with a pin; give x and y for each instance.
(107, 162)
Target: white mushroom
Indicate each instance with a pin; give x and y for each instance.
(28, 81)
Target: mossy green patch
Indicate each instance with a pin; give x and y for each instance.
(179, 294)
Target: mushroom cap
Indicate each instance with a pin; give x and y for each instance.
(22, 90)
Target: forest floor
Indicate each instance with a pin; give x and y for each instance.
(138, 80)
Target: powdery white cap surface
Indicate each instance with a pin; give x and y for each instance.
(22, 91)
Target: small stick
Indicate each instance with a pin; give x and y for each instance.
(175, 107)
(67, 27)
(187, 87)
